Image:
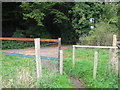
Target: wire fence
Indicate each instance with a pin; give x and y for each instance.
(29, 56)
(19, 70)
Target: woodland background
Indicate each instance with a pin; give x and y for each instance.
(68, 20)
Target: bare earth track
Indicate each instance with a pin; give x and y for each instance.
(49, 51)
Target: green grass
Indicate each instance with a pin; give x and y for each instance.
(23, 74)
(23, 71)
(84, 61)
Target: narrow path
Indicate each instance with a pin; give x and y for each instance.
(76, 82)
(50, 51)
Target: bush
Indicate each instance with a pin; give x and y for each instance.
(18, 34)
(13, 44)
(101, 35)
(68, 35)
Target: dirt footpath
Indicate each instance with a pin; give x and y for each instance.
(49, 51)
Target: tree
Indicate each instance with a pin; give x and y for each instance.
(109, 13)
(40, 10)
(82, 12)
(11, 17)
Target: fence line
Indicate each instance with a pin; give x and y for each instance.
(73, 59)
(28, 39)
(113, 58)
(32, 39)
(18, 50)
(29, 56)
(95, 46)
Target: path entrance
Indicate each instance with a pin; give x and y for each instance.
(49, 51)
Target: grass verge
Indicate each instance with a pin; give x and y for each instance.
(84, 61)
(20, 72)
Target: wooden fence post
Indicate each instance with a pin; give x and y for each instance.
(73, 59)
(95, 64)
(115, 62)
(59, 48)
(38, 59)
(61, 62)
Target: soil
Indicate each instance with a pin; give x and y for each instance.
(76, 82)
(49, 51)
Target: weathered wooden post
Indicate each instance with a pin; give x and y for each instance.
(114, 45)
(115, 62)
(38, 59)
(73, 59)
(59, 48)
(61, 62)
(95, 64)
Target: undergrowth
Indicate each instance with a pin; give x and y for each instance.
(10, 44)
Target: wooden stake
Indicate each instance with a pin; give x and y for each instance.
(61, 62)
(38, 59)
(115, 62)
(114, 45)
(73, 59)
(95, 64)
(59, 48)
(114, 40)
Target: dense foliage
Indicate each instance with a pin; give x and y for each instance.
(101, 35)
(82, 12)
(68, 20)
(71, 22)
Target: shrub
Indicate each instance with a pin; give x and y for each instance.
(101, 35)
(18, 34)
(13, 44)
